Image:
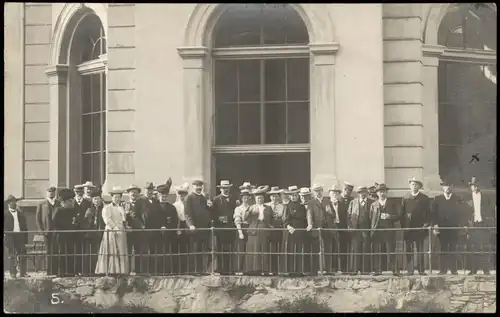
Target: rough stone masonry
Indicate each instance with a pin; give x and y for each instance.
(258, 294)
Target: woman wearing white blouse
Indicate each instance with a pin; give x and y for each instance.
(113, 257)
(180, 260)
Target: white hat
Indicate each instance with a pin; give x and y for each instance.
(184, 188)
(88, 184)
(316, 187)
(246, 185)
(304, 191)
(292, 190)
(116, 190)
(275, 190)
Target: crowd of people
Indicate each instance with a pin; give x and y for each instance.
(299, 231)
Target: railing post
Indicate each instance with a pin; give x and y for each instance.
(430, 250)
(212, 250)
(320, 255)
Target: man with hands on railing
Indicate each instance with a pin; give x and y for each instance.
(316, 209)
(166, 245)
(448, 212)
(241, 223)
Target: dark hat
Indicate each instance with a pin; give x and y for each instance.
(96, 193)
(473, 181)
(11, 198)
(163, 189)
(52, 189)
(197, 182)
(149, 185)
(381, 187)
(66, 194)
(225, 184)
(168, 184)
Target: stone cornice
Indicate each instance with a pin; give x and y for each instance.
(56, 70)
(432, 50)
(199, 52)
(324, 48)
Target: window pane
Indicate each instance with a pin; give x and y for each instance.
(88, 32)
(298, 79)
(226, 81)
(273, 170)
(226, 126)
(250, 123)
(249, 79)
(86, 100)
(103, 162)
(275, 123)
(298, 122)
(96, 167)
(103, 91)
(103, 130)
(467, 122)
(260, 24)
(275, 79)
(86, 130)
(86, 166)
(96, 92)
(96, 132)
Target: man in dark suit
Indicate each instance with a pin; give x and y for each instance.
(136, 215)
(16, 237)
(480, 214)
(448, 212)
(341, 245)
(346, 194)
(43, 216)
(222, 215)
(166, 245)
(415, 214)
(92, 223)
(383, 215)
(198, 216)
(153, 209)
(81, 204)
(359, 218)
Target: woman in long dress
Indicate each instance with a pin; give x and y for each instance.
(113, 256)
(259, 216)
(63, 244)
(181, 245)
(296, 245)
(242, 226)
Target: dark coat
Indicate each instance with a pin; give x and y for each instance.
(8, 225)
(357, 219)
(44, 212)
(316, 214)
(222, 211)
(197, 212)
(136, 214)
(415, 213)
(151, 209)
(391, 207)
(81, 209)
(448, 213)
(342, 211)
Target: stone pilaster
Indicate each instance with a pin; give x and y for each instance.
(323, 153)
(430, 117)
(197, 143)
(58, 79)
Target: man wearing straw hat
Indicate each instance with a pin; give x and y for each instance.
(415, 214)
(222, 213)
(15, 236)
(44, 212)
(88, 188)
(276, 236)
(340, 209)
(481, 214)
(346, 194)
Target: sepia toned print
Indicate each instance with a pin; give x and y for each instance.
(150, 142)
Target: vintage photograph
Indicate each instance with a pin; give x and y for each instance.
(250, 157)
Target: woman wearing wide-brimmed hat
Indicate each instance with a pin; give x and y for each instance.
(239, 216)
(63, 243)
(295, 237)
(259, 216)
(113, 255)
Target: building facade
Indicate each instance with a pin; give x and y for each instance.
(277, 94)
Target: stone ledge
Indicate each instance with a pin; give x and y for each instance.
(254, 294)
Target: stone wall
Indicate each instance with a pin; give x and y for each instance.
(253, 294)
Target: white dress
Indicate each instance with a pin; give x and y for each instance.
(113, 256)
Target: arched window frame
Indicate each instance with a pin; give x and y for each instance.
(433, 54)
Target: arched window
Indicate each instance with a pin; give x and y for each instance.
(89, 44)
(261, 94)
(467, 94)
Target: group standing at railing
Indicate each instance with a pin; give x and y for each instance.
(299, 231)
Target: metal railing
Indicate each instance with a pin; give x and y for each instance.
(260, 251)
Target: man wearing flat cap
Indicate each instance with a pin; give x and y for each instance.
(383, 215)
(15, 236)
(448, 211)
(358, 217)
(415, 214)
(198, 219)
(222, 213)
(43, 216)
(136, 215)
(481, 213)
